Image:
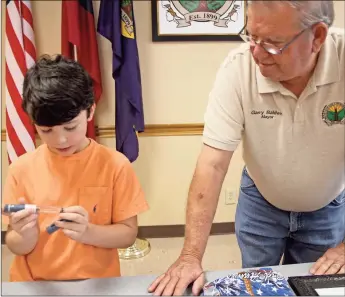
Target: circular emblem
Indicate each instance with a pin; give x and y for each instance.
(185, 7)
(334, 113)
(184, 12)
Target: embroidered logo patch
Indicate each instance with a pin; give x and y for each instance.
(334, 113)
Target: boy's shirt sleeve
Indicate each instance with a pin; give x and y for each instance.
(128, 196)
(10, 194)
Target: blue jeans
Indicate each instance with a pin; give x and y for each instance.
(266, 233)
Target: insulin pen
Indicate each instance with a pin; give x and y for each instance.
(52, 228)
(9, 208)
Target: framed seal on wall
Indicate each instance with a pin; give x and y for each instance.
(197, 20)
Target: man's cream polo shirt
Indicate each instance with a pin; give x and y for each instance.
(293, 147)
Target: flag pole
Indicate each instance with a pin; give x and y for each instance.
(123, 39)
(139, 249)
(75, 53)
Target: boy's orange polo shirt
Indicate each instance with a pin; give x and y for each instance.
(99, 179)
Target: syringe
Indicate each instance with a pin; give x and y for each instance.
(9, 208)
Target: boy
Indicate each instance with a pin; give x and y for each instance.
(95, 185)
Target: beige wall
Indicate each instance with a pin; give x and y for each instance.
(175, 90)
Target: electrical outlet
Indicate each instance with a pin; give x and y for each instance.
(230, 197)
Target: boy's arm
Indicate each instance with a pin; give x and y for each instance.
(17, 243)
(128, 202)
(120, 235)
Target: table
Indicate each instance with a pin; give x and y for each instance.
(128, 285)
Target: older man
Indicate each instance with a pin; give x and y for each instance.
(282, 94)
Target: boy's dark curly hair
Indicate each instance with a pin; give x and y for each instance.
(55, 91)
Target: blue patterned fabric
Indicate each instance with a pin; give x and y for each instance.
(259, 282)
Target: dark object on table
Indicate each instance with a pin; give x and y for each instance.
(307, 285)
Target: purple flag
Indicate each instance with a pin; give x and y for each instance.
(116, 23)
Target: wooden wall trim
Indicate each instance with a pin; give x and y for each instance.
(150, 130)
(170, 231)
(158, 130)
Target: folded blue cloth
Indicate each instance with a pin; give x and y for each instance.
(255, 282)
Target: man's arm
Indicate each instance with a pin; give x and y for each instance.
(203, 199)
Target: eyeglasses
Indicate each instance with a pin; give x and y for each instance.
(269, 47)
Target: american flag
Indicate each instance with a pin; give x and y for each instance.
(20, 54)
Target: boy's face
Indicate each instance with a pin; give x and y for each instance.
(69, 138)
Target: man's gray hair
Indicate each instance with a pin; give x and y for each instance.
(311, 12)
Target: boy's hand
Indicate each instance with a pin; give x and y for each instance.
(24, 222)
(76, 229)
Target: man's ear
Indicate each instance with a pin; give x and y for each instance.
(92, 112)
(320, 31)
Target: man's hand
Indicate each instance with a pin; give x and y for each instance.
(24, 222)
(77, 229)
(184, 271)
(332, 262)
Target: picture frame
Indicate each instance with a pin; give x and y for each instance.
(314, 285)
(198, 20)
